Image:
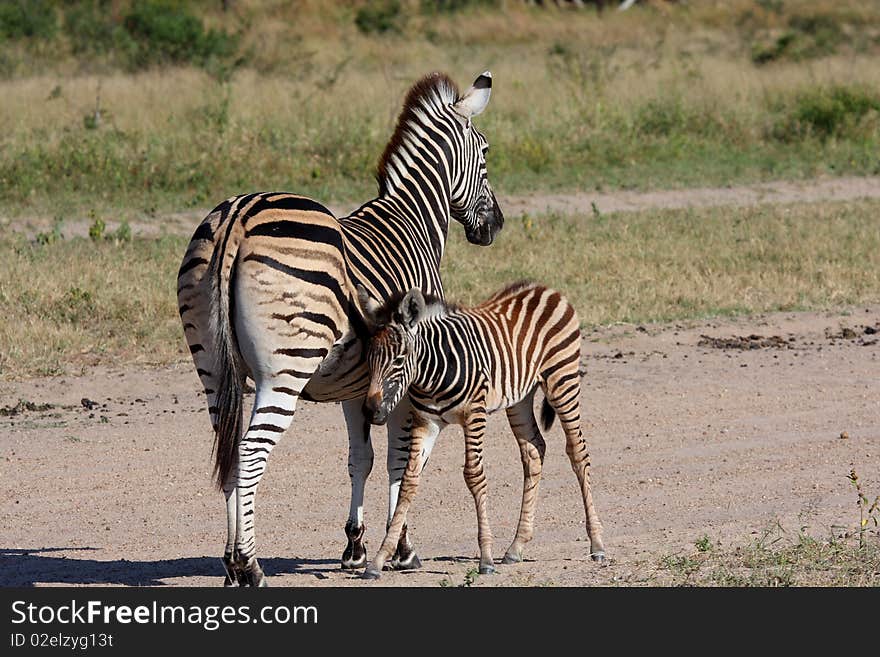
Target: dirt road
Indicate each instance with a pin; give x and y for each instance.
(782, 191)
(717, 429)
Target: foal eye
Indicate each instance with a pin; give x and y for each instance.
(399, 360)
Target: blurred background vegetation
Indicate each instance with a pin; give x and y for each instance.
(147, 113)
(145, 106)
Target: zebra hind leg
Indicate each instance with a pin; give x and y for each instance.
(566, 403)
(274, 408)
(531, 447)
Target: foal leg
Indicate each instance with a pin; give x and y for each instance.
(400, 425)
(565, 400)
(406, 494)
(531, 447)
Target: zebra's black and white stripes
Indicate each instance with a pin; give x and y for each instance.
(266, 291)
(459, 364)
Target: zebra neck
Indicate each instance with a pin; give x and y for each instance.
(417, 183)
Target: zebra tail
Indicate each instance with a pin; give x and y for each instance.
(547, 415)
(229, 380)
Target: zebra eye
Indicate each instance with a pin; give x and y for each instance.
(398, 361)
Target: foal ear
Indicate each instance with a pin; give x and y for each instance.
(369, 306)
(412, 308)
(476, 98)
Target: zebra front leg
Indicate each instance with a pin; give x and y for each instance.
(274, 407)
(532, 447)
(407, 491)
(475, 478)
(399, 429)
(360, 463)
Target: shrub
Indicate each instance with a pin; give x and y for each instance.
(826, 112)
(91, 28)
(27, 18)
(164, 31)
(379, 17)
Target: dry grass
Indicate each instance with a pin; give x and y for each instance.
(671, 264)
(74, 302)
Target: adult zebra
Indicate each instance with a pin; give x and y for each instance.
(266, 289)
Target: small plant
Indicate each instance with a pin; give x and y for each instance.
(470, 577)
(704, 544)
(868, 512)
(96, 230)
(123, 233)
(51, 236)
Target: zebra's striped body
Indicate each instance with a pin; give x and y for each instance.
(458, 365)
(266, 290)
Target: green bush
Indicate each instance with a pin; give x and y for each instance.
(808, 37)
(91, 28)
(27, 18)
(451, 6)
(379, 17)
(827, 112)
(165, 32)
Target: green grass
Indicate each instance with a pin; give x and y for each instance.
(65, 303)
(637, 99)
(776, 559)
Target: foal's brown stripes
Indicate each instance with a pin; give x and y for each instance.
(458, 364)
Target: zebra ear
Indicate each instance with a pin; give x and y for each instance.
(412, 308)
(369, 306)
(476, 98)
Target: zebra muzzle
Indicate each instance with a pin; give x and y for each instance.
(374, 409)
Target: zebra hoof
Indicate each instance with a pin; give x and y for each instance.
(511, 558)
(487, 569)
(412, 562)
(371, 573)
(598, 556)
(348, 563)
(355, 554)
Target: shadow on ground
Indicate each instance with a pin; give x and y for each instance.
(33, 567)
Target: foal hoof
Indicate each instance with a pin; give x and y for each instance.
(371, 573)
(487, 569)
(511, 558)
(598, 556)
(412, 562)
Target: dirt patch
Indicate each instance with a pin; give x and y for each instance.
(748, 342)
(687, 441)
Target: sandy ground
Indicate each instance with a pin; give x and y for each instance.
(808, 191)
(722, 435)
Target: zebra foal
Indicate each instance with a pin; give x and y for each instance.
(459, 364)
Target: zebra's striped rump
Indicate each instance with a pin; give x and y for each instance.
(458, 364)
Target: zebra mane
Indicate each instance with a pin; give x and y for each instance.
(436, 87)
